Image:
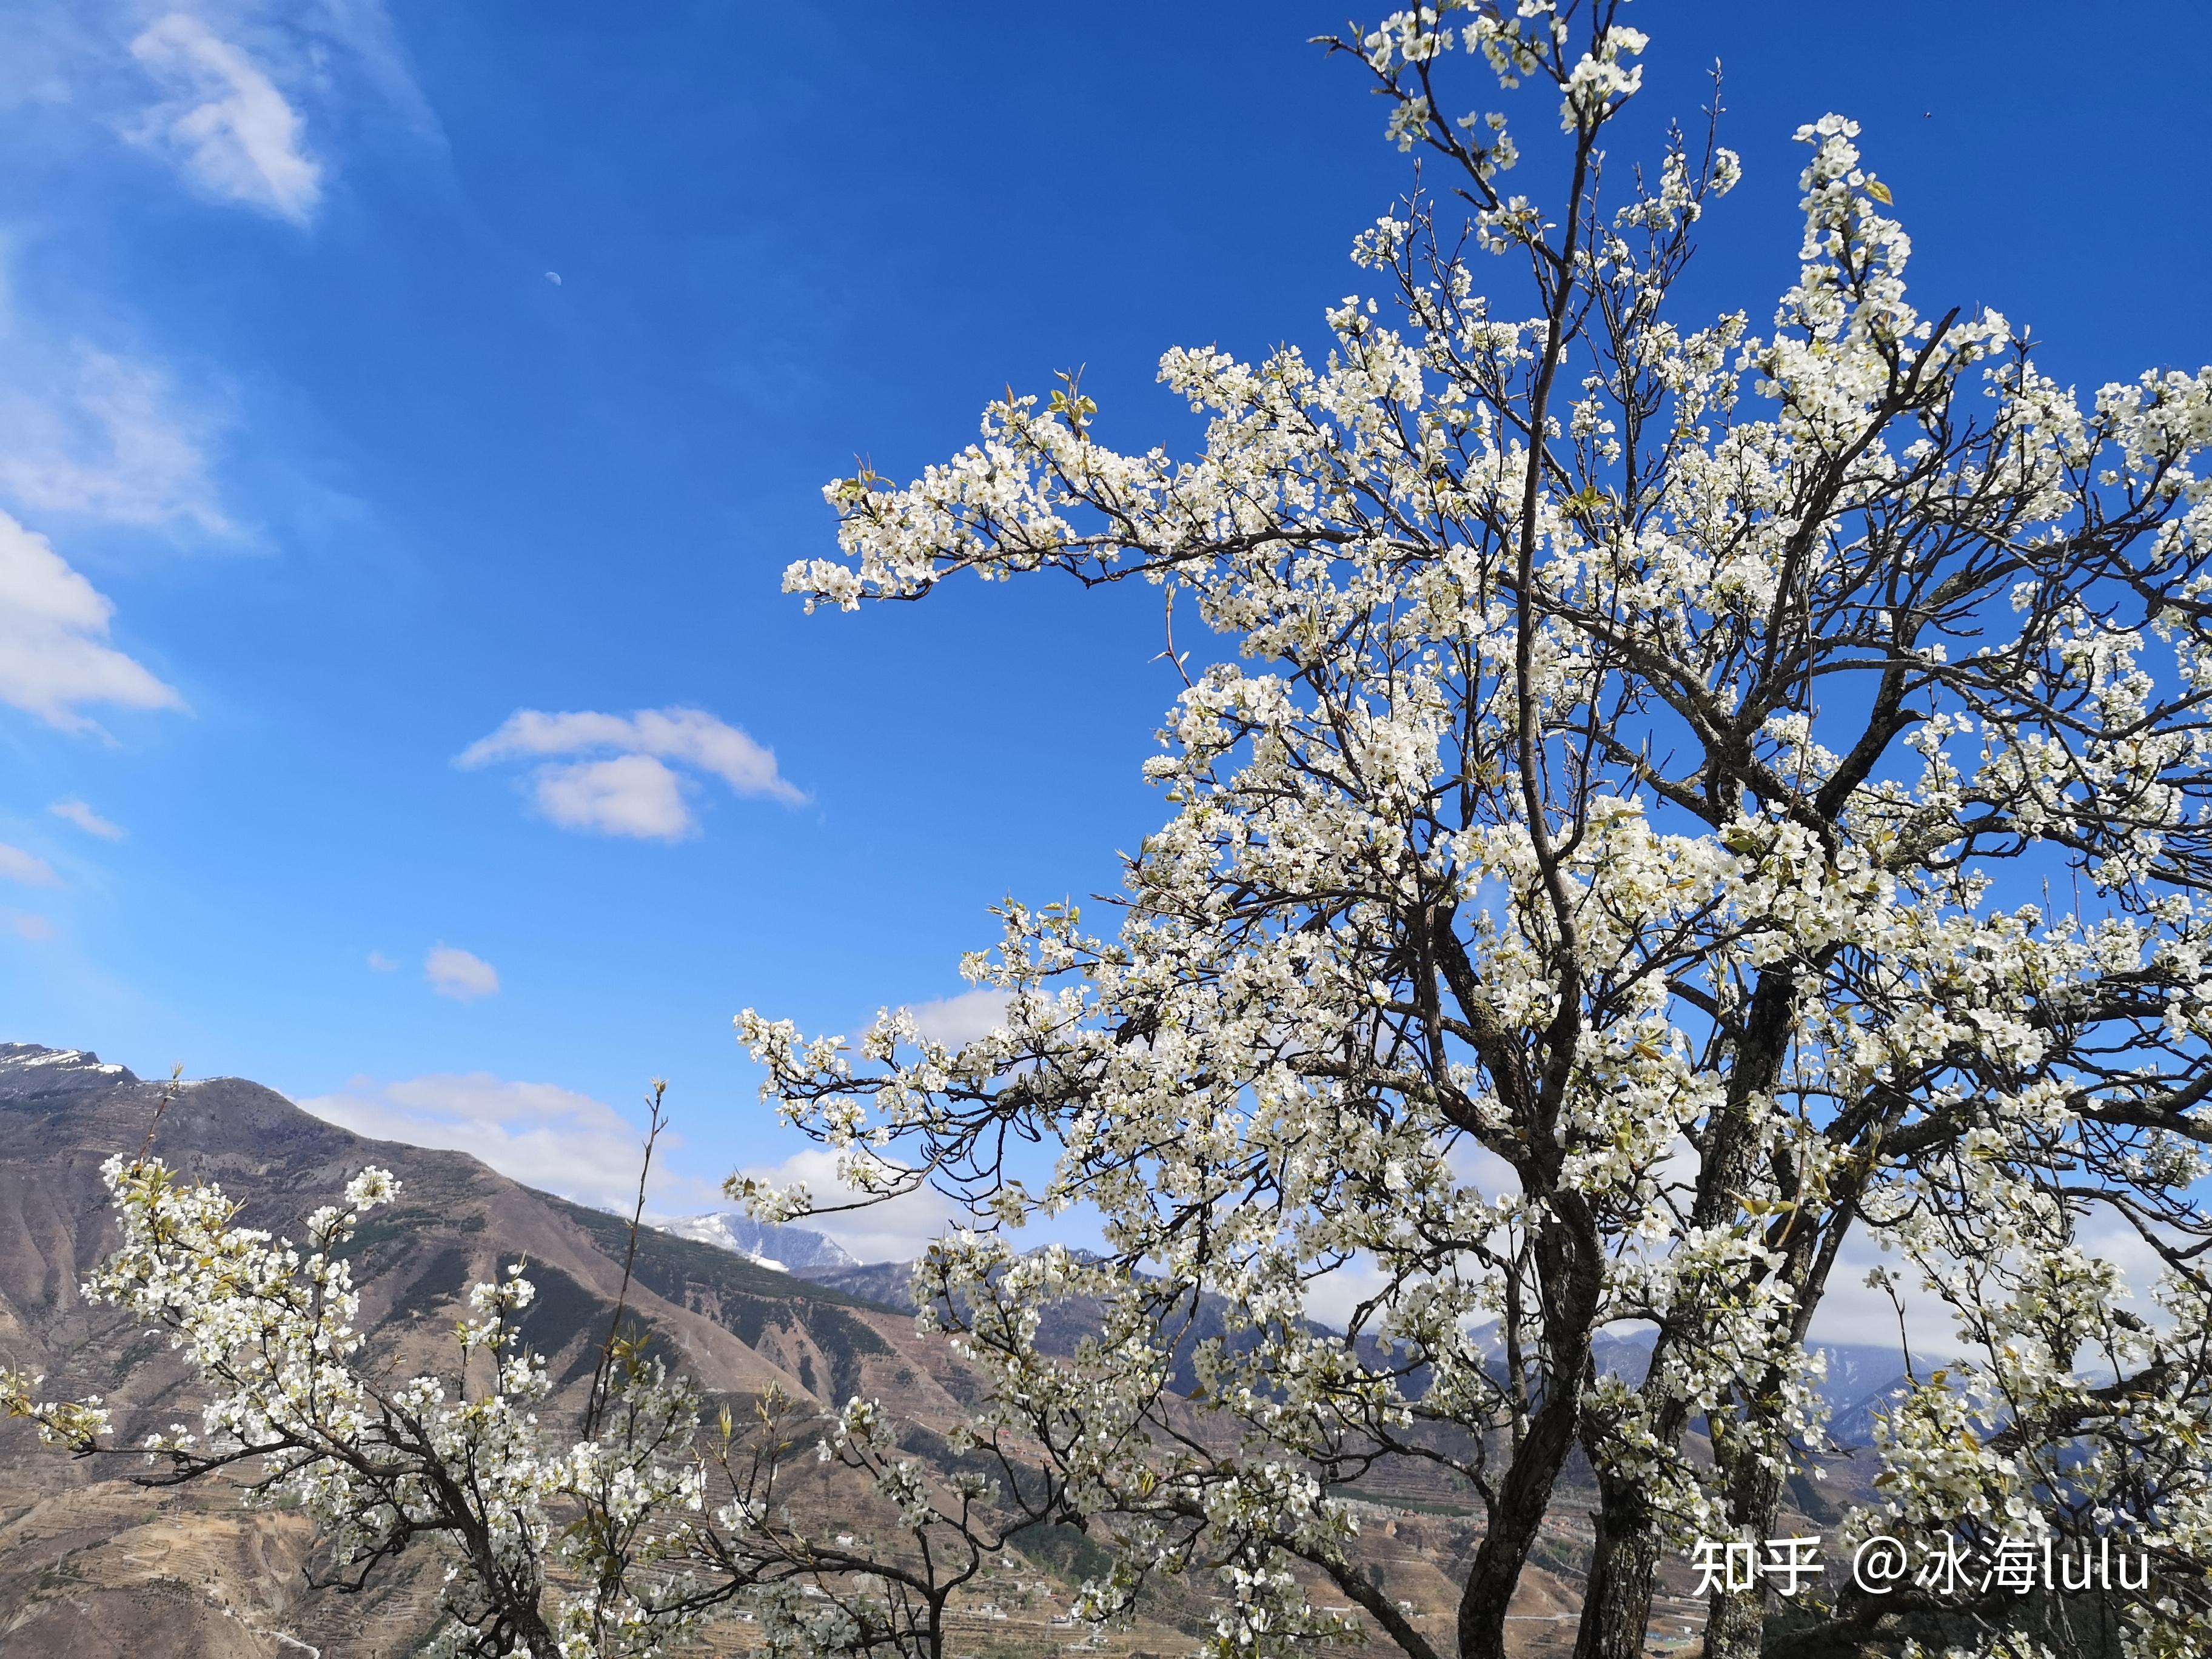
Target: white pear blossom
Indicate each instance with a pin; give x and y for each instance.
(1668, 797)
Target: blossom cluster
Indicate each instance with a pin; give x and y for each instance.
(1606, 868)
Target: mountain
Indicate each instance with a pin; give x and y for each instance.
(1856, 1373)
(93, 1565)
(1853, 1424)
(891, 1282)
(786, 1250)
(1858, 1377)
(63, 1112)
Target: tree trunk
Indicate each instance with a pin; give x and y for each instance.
(1617, 1603)
(1736, 1621)
(1523, 1499)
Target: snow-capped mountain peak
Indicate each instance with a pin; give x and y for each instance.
(786, 1249)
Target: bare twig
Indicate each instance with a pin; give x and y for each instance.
(168, 1094)
(603, 1377)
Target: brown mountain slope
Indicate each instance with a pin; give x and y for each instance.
(91, 1565)
(62, 1116)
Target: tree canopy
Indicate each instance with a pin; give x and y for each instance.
(1680, 793)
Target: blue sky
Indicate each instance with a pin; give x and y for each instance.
(334, 479)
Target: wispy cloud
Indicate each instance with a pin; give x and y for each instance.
(540, 1134)
(91, 425)
(460, 973)
(23, 925)
(91, 432)
(358, 34)
(380, 964)
(247, 98)
(634, 792)
(225, 124)
(54, 654)
(29, 868)
(78, 813)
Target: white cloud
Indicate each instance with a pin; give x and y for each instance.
(630, 795)
(380, 964)
(956, 1021)
(1335, 1296)
(538, 1134)
(24, 924)
(459, 974)
(16, 864)
(86, 819)
(226, 125)
(633, 794)
(53, 632)
(1853, 1311)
